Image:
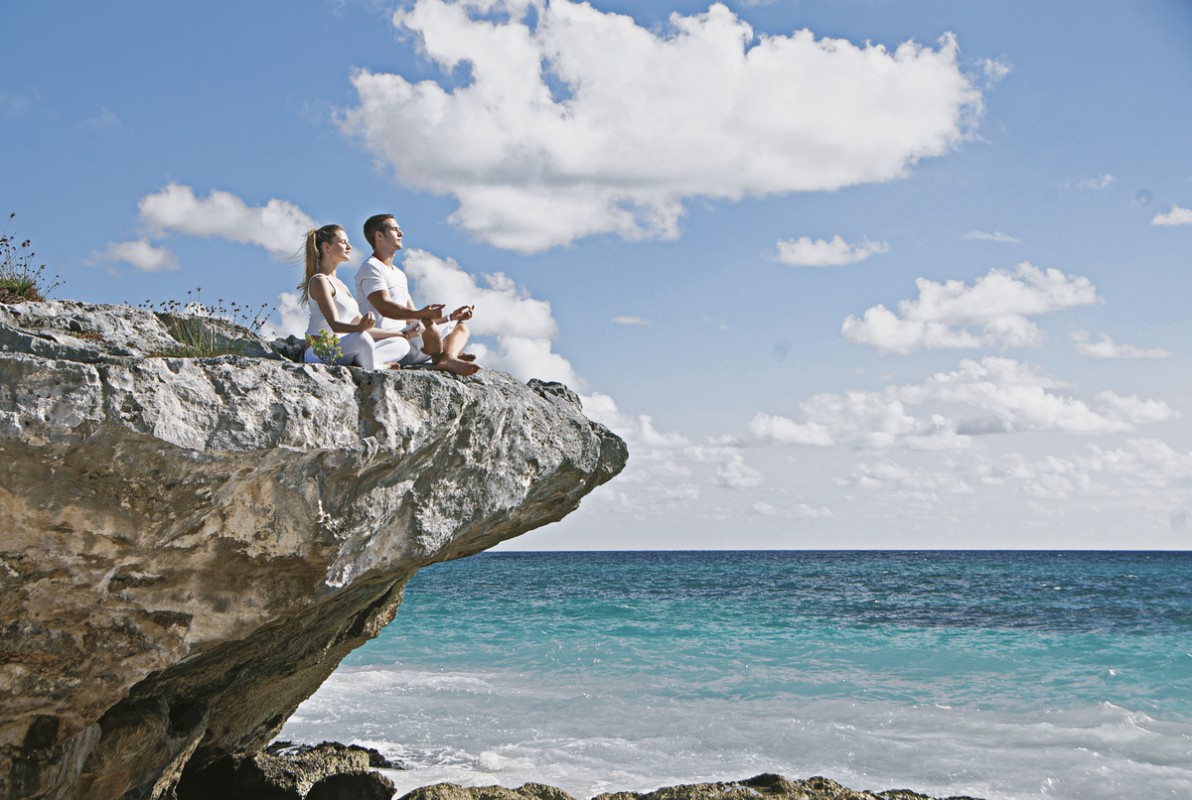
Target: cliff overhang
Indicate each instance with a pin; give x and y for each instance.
(189, 547)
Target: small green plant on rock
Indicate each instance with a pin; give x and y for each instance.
(326, 346)
(20, 278)
(206, 331)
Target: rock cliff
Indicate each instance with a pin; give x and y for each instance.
(189, 547)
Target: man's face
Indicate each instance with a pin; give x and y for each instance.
(390, 235)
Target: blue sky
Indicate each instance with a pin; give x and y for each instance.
(844, 273)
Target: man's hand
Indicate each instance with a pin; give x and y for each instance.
(432, 312)
(463, 312)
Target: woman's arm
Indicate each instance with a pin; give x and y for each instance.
(322, 293)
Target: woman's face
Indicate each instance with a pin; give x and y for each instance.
(339, 249)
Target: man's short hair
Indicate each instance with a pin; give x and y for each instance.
(372, 226)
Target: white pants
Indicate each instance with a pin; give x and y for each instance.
(362, 350)
(416, 355)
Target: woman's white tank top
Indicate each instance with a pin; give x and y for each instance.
(346, 309)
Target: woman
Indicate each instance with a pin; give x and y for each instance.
(335, 310)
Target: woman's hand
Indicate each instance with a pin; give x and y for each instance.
(366, 322)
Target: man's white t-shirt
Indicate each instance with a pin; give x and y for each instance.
(374, 275)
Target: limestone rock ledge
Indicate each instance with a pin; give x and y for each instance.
(189, 547)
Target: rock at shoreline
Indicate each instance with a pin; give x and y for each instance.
(189, 547)
(761, 787)
(329, 771)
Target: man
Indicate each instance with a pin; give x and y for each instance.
(384, 289)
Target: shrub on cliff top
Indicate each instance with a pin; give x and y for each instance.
(205, 331)
(20, 278)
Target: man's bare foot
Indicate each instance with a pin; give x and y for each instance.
(466, 357)
(458, 366)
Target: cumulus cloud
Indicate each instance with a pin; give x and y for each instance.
(994, 310)
(277, 226)
(1106, 347)
(1177, 216)
(785, 431)
(139, 253)
(523, 326)
(574, 121)
(808, 252)
(996, 236)
(994, 395)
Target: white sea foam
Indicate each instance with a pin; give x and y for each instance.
(509, 728)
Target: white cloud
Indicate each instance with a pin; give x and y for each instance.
(106, 119)
(1141, 466)
(1177, 216)
(800, 511)
(1108, 348)
(630, 320)
(806, 252)
(1100, 182)
(666, 465)
(994, 70)
(785, 431)
(1133, 410)
(634, 429)
(292, 317)
(139, 253)
(807, 511)
(502, 308)
(997, 306)
(278, 226)
(525, 358)
(17, 104)
(995, 395)
(735, 473)
(523, 326)
(578, 122)
(892, 476)
(996, 236)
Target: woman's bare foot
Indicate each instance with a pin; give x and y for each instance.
(393, 365)
(456, 365)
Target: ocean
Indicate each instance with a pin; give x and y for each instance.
(1001, 675)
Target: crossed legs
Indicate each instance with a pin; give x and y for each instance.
(447, 352)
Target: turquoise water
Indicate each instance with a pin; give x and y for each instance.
(1000, 675)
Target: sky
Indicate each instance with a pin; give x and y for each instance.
(842, 273)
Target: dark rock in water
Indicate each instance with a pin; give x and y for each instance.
(189, 547)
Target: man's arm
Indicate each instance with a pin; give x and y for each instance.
(390, 308)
